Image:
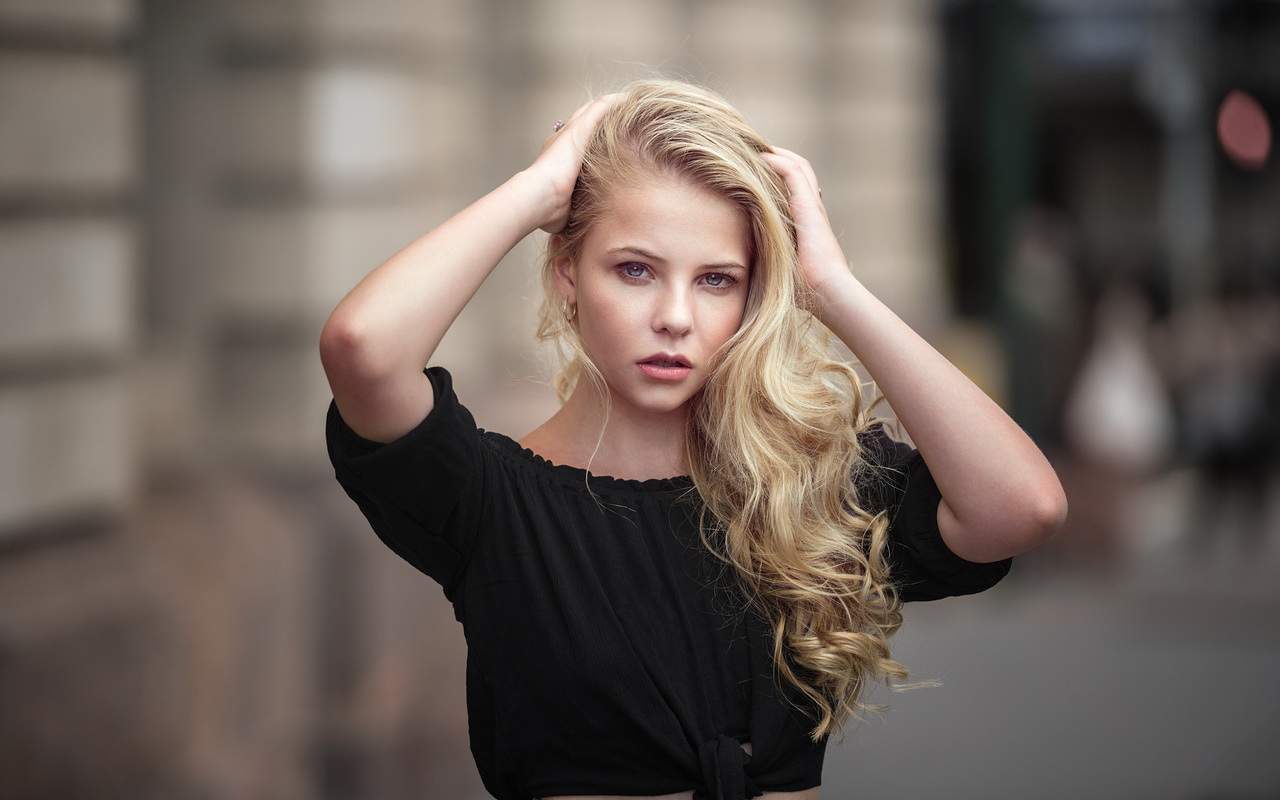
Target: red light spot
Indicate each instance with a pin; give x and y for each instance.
(1244, 130)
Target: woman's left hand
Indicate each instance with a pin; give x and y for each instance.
(1000, 496)
(821, 259)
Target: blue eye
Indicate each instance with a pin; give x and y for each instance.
(718, 280)
(633, 270)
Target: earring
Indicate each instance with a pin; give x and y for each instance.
(570, 310)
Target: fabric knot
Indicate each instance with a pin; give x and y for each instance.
(724, 771)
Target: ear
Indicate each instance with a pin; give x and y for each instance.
(565, 274)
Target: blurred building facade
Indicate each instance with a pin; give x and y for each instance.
(188, 605)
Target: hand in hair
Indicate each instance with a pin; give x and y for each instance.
(1000, 496)
(821, 258)
(561, 158)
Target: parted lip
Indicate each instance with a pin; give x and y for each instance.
(666, 359)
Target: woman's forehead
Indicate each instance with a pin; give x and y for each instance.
(674, 218)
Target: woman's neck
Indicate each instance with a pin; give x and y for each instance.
(633, 445)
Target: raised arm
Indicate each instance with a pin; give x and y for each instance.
(1000, 496)
(377, 341)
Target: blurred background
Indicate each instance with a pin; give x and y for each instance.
(1075, 201)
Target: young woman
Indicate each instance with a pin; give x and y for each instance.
(682, 582)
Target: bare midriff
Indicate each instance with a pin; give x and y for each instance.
(807, 794)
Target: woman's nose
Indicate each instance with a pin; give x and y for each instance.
(674, 312)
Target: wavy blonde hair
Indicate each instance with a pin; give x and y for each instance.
(771, 444)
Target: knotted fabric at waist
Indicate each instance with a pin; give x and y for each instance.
(724, 771)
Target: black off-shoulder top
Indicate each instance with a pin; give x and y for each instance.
(609, 652)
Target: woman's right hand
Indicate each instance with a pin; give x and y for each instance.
(560, 160)
(386, 329)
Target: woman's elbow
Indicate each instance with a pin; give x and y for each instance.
(1051, 512)
(1044, 510)
(1005, 526)
(338, 340)
(345, 348)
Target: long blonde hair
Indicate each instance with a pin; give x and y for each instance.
(771, 444)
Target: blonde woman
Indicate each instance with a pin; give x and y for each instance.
(682, 582)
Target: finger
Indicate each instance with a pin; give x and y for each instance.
(602, 101)
(792, 169)
(590, 113)
(799, 177)
(803, 166)
(583, 121)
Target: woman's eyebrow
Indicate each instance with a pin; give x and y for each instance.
(633, 250)
(648, 256)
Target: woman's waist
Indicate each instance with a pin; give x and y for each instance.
(807, 794)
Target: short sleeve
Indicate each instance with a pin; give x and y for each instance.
(924, 568)
(420, 493)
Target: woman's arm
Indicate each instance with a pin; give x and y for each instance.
(1000, 496)
(380, 337)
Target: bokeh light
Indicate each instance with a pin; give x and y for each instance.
(1244, 130)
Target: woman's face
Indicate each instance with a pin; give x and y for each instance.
(660, 285)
